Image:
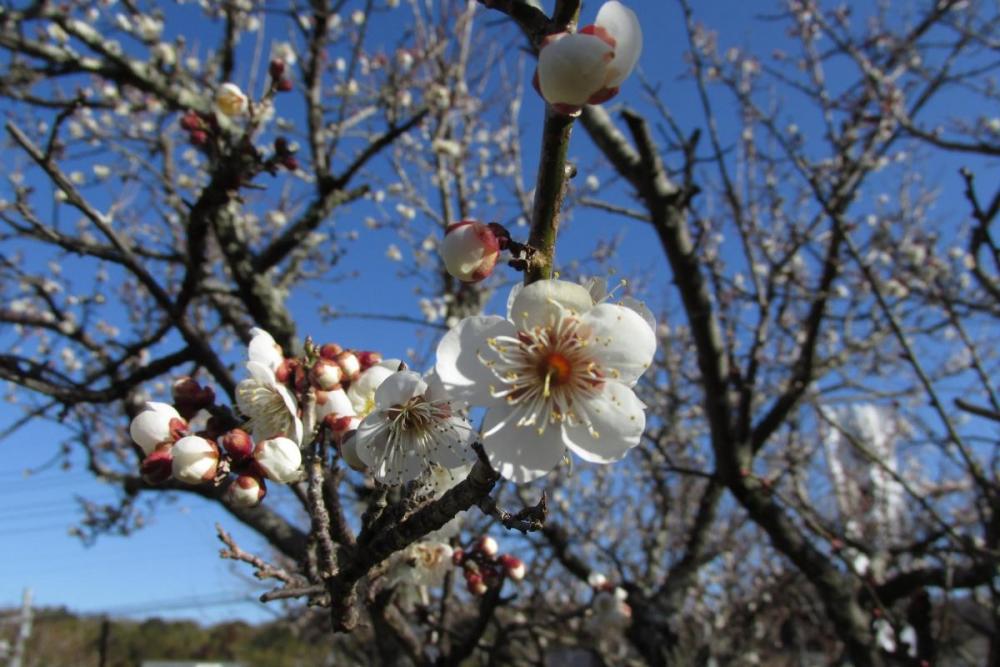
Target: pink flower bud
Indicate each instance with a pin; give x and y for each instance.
(470, 250)
(349, 363)
(158, 466)
(157, 424)
(290, 162)
(195, 460)
(513, 566)
(487, 546)
(474, 582)
(191, 121)
(279, 458)
(284, 85)
(457, 557)
(247, 491)
(326, 375)
(238, 444)
(190, 397)
(199, 138)
(368, 359)
(330, 351)
(276, 69)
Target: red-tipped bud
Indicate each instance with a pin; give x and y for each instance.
(457, 557)
(191, 121)
(158, 466)
(284, 85)
(190, 397)
(474, 582)
(286, 371)
(247, 491)
(349, 363)
(487, 546)
(199, 138)
(513, 566)
(281, 146)
(326, 374)
(238, 444)
(290, 162)
(158, 423)
(368, 359)
(340, 425)
(470, 250)
(276, 69)
(195, 460)
(330, 351)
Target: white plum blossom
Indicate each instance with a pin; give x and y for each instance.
(588, 66)
(609, 611)
(266, 402)
(157, 424)
(280, 459)
(412, 426)
(246, 491)
(230, 100)
(195, 459)
(361, 393)
(556, 374)
(421, 565)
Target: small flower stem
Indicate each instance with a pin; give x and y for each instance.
(549, 191)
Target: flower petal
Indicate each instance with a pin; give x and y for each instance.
(451, 447)
(616, 419)
(362, 391)
(622, 24)
(542, 303)
(398, 388)
(623, 343)
(390, 463)
(571, 68)
(520, 454)
(464, 376)
(335, 402)
(263, 350)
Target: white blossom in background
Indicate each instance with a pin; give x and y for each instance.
(412, 426)
(414, 569)
(587, 67)
(157, 424)
(556, 374)
(268, 404)
(230, 100)
(609, 611)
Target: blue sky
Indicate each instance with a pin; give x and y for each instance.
(175, 558)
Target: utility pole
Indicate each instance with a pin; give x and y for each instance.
(17, 657)
(102, 646)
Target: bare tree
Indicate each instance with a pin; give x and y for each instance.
(818, 476)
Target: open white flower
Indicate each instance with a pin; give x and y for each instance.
(411, 427)
(557, 374)
(265, 401)
(361, 393)
(588, 66)
(230, 100)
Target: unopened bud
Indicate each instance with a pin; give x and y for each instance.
(474, 582)
(238, 444)
(199, 138)
(513, 566)
(158, 466)
(190, 397)
(281, 146)
(368, 359)
(158, 423)
(191, 121)
(326, 375)
(487, 546)
(330, 351)
(230, 100)
(349, 363)
(290, 162)
(284, 85)
(286, 371)
(195, 460)
(247, 491)
(470, 250)
(279, 458)
(457, 556)
(276, 69)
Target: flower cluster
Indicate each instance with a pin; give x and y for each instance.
(485, 568)
(172, 450)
